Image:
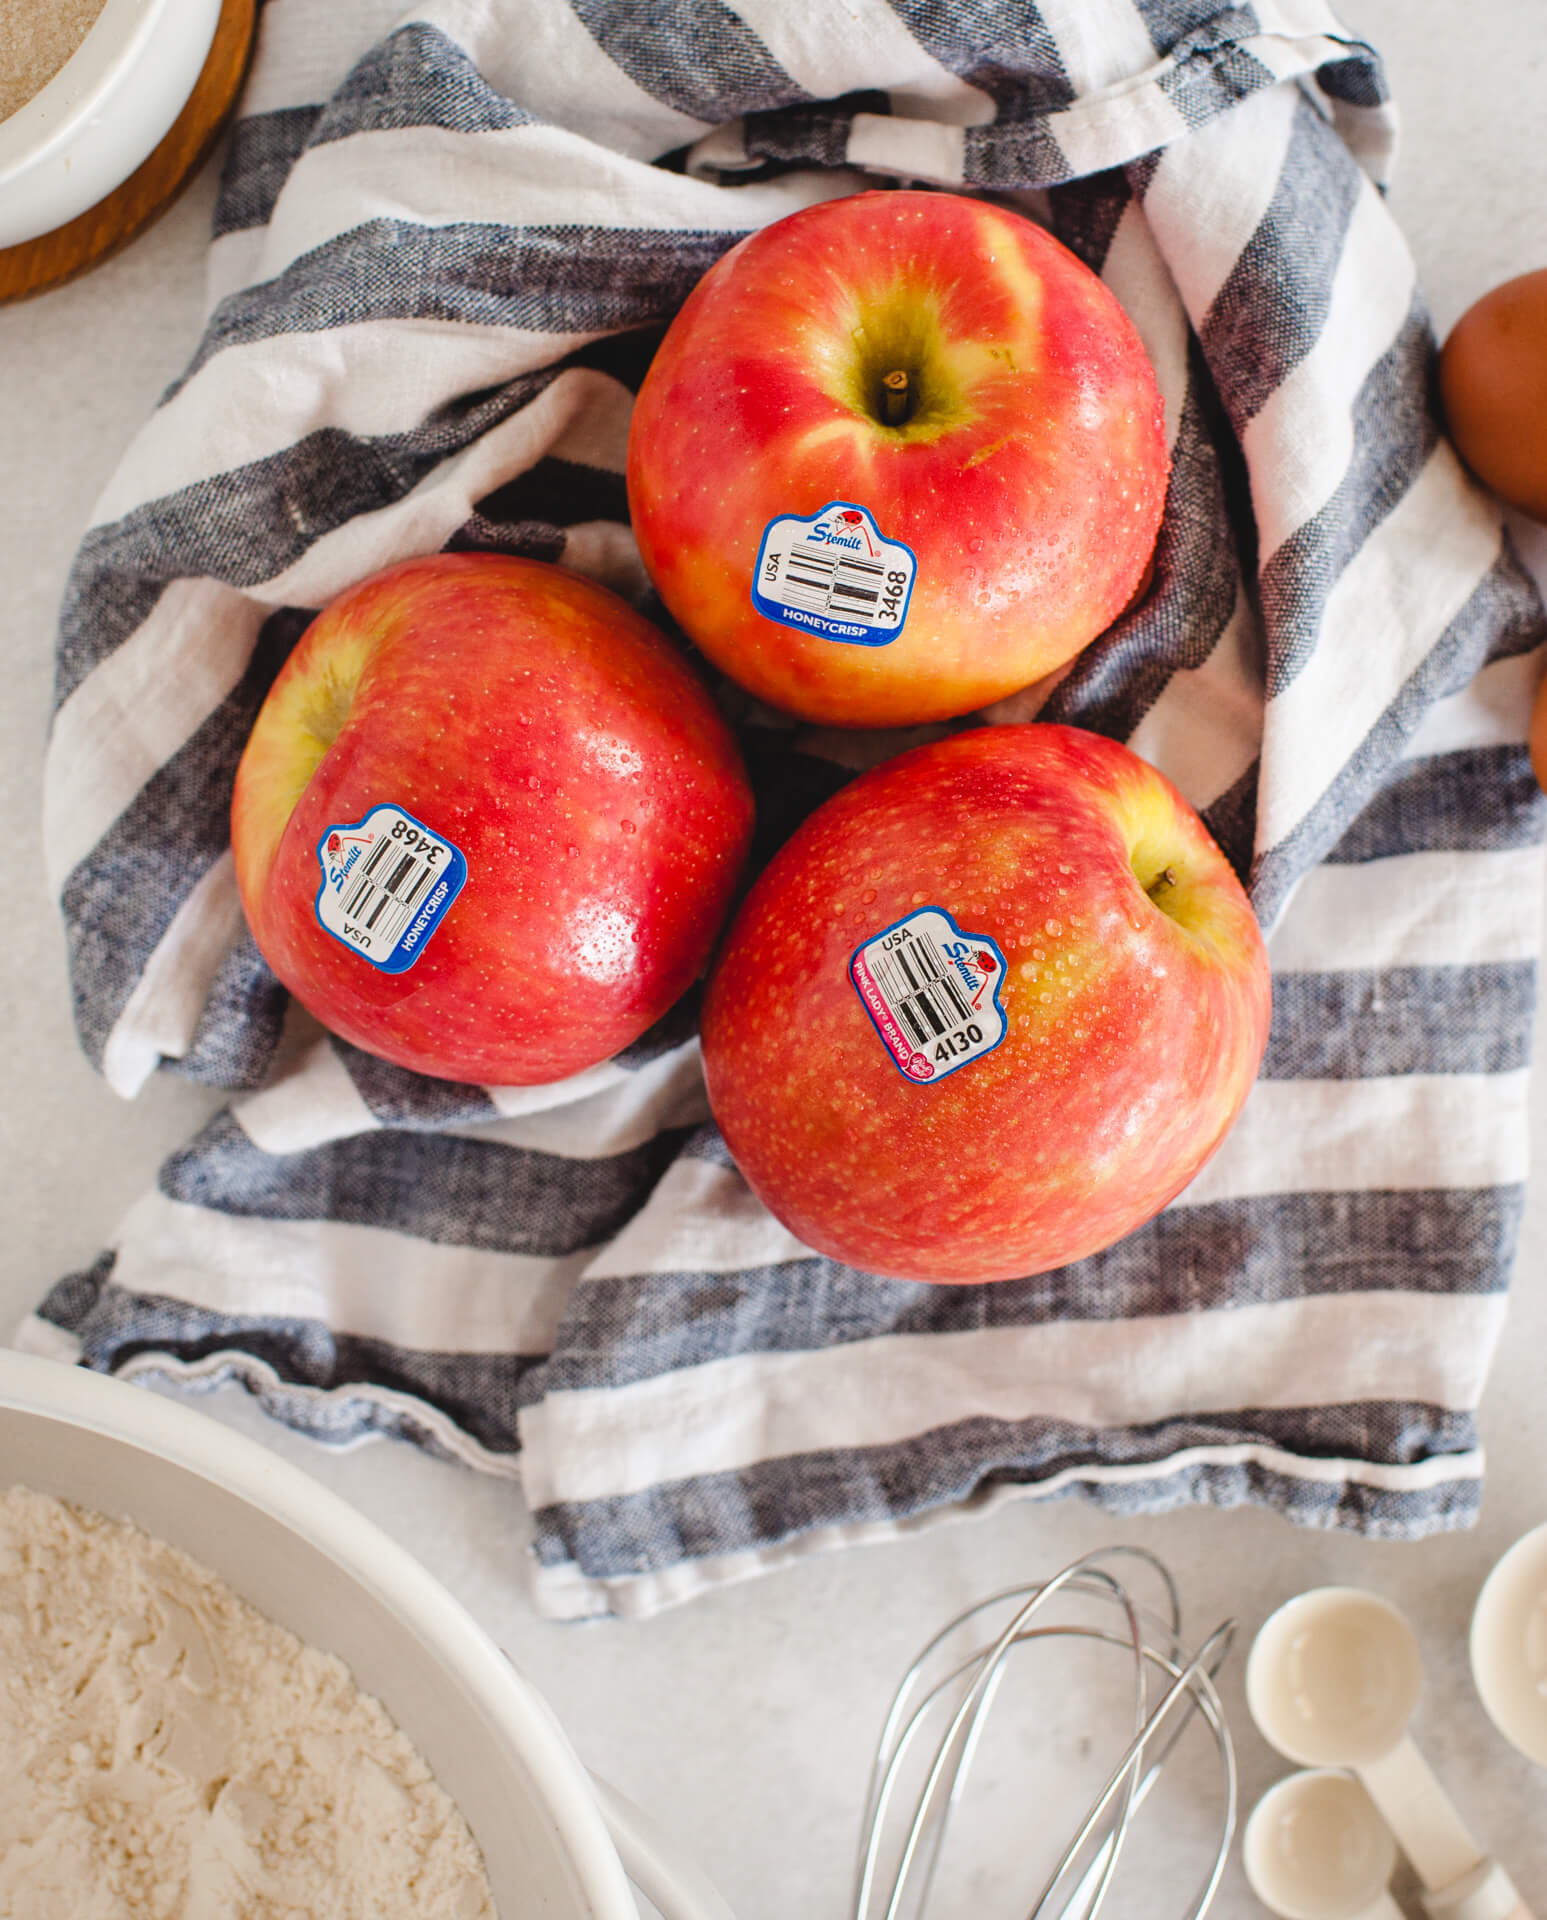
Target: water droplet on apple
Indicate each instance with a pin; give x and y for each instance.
(868, 895)
(1046, 999)
(1053, 926)
(1039, 953)
(918, 899)
(535, 784)
(1028, 971)
(837, 909)
(628, 826)
(573, 852)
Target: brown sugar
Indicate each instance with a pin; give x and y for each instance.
(36, 38)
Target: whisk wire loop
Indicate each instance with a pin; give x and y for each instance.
(1185, 1682)
(976, 1680)
(961, 1734)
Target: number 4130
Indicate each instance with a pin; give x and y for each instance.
(959, 1042)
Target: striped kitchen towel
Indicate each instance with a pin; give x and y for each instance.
(444, 249)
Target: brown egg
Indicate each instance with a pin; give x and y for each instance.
(1538, 737)
(1493, 382)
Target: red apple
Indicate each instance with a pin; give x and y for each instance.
(989, 1009)
(488, 823)
(867, 571)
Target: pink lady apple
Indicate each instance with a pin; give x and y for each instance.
(988, 1010)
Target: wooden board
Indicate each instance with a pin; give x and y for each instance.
(152, 187)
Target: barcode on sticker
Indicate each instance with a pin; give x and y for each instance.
(834, 573)
(387, 881)
(932, 992)
(925, 998)
(390, 886)
(819, 580)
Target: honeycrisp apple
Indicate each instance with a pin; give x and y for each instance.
(488, 822)
(988, 1010)
(898, 455)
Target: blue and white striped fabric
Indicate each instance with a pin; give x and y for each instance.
(444, 249)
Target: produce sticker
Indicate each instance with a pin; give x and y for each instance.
(387, 882)
(932, 993)
(834, 574)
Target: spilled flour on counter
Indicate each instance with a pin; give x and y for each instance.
(169, 1752)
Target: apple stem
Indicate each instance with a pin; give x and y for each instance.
(1162, 883)
(896, 400)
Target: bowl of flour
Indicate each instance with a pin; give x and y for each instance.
(90, 88)
(226, 1695)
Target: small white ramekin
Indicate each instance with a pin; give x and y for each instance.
(103, 112)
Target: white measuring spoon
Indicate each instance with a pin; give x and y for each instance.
(1332, 1681)
(1316, 1849)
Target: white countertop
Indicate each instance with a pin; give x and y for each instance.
(745, 1720)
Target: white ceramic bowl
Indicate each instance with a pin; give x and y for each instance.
(102, 113)
(554, 1839)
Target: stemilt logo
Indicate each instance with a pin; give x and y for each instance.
(848, 529)
(336, 852)
(977, 970)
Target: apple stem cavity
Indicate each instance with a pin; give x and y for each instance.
(896, 397)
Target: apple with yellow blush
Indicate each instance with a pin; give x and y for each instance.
(488, 822)
(900, 454)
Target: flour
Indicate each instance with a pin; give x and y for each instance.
(171, 1754)
(36, 38)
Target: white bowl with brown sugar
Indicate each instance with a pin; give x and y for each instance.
(330, 1587)
(88, 88)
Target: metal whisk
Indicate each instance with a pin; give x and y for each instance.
(898, 1855)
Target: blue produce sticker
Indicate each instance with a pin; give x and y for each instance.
(387, 882)
(932, 993)
(834, 574)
